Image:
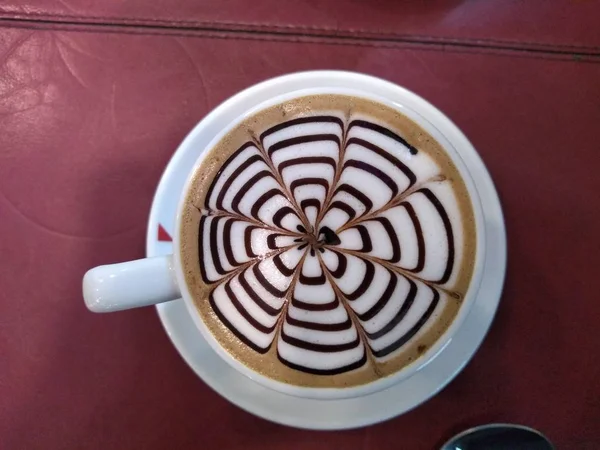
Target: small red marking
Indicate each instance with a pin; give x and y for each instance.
(163, 236)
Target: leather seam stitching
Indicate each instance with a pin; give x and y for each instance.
(442, 48)
(248, 26)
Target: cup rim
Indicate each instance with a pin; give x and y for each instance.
(417, 110)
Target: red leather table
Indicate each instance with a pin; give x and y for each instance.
(96, 96)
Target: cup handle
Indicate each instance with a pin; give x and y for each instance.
(131, 284)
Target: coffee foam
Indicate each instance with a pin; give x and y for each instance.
(328, 241)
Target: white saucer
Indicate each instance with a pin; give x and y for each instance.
(324, 414)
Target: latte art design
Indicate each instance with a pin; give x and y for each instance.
(330, 240)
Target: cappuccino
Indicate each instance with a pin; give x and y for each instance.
(327, 241)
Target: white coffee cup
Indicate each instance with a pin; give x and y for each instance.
(160, 279)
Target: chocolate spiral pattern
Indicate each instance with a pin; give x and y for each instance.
(331, 238)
